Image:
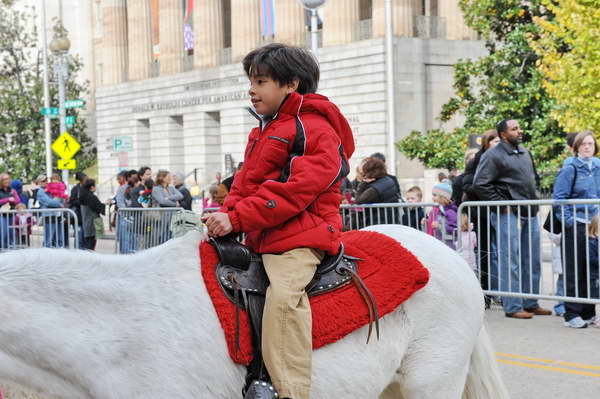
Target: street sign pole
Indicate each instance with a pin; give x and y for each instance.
(61, 74)
(47, 127)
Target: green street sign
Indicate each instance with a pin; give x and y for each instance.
(74, 103)
(70, 120)
(49, 111)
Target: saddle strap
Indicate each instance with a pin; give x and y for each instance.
(368, 298)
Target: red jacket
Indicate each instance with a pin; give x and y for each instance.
(287, 194)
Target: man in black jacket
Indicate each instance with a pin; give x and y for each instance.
(506, 172)
(75, 205)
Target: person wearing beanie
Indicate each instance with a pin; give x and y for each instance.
(441, 221)
(443, 190)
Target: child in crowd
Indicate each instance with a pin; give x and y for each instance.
(211, 200)
(441, 221)
(467, 241)
(145, 197)
(594, 265)
(23, 223)
(414, 216)
(57, 189)
(557, 268)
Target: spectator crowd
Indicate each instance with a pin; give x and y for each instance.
(500, 243)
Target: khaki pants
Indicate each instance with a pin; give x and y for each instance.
(287, 321)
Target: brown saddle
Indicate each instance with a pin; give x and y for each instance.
(242, 277)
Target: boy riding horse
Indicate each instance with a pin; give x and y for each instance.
(286, 200)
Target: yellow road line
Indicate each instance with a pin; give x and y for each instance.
(579, 366)
(550, 368)
(558, 362)
(533, 359)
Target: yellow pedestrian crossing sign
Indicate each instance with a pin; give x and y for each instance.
(65, 146)
(67, 164)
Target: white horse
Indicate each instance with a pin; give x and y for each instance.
(84, 325)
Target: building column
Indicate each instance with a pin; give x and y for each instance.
(171, 36)
(245, 29)
(404, 12)
(290, 17)
(139, 39)
(208, 30)
(340, 18)
(456, 29)
(114, 41)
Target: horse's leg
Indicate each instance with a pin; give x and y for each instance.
(426, 380)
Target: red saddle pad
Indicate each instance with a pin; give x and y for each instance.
(390, 271)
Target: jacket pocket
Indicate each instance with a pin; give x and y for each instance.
(286, 141)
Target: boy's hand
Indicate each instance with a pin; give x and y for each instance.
(218, 224)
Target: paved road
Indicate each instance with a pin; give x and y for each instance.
(539, 358)
(542, 359)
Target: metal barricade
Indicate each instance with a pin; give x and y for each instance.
(408, 214)
(540, 249)
(141, 228)
(35, 228)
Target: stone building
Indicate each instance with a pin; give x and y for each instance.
(170, 91)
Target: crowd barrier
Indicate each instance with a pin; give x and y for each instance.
(512, 237)
(35, 228)
(513, 255)
(141, 228)
(356, 217)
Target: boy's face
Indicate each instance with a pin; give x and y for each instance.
(267, 95)
(412, 197)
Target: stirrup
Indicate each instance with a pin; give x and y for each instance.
(261, 390)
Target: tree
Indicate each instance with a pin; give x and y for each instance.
(504, 84)
(569, 48)
(21, 97)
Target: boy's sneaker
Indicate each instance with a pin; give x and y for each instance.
(576, 322)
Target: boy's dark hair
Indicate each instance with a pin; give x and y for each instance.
(123, 173)
(283, 64)
(89, 183)
(132, 172)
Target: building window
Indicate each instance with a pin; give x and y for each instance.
(98, 20)
(226, 23)
(429, 8)
(365, 10)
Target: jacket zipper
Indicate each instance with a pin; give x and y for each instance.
(252, 147)
(261, 130)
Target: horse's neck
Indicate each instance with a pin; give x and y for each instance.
(67, 316)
